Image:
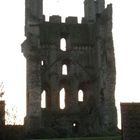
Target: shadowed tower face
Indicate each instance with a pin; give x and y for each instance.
(72, 67)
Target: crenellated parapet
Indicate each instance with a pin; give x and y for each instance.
(68, 20)
(34, 12)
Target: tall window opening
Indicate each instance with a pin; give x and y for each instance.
(64, 70)
(80, 96)
(63, 44)
(42, 63)
(62, 98)
(43, 99)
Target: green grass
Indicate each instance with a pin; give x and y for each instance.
(86, 138)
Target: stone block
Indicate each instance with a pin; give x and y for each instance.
(71, 20)
(55, 19)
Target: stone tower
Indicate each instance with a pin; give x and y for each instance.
(88, 82)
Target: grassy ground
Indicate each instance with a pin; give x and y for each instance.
(90, 138)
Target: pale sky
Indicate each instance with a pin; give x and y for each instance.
(126, 30)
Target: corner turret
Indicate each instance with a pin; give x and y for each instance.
(92, 8)
(33, 13)
(100, 6)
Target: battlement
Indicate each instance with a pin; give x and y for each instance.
(71, 20)
(55, 19)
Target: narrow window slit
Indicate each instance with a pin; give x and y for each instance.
(43, 99)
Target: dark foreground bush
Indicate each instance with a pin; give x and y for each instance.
(12, 132)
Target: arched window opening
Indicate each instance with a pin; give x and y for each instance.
(63, 44)
(80, 96)
(64, 70)
(62, 98)
(43, 99)
(42, 63)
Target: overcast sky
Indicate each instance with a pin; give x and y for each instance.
(126, 30)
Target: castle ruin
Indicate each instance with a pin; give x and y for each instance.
(88, 82)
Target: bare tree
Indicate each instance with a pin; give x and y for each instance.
(11, 115)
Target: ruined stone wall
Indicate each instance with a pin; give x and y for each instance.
(89, 57)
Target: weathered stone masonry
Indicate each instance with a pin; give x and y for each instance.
(90, 63)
